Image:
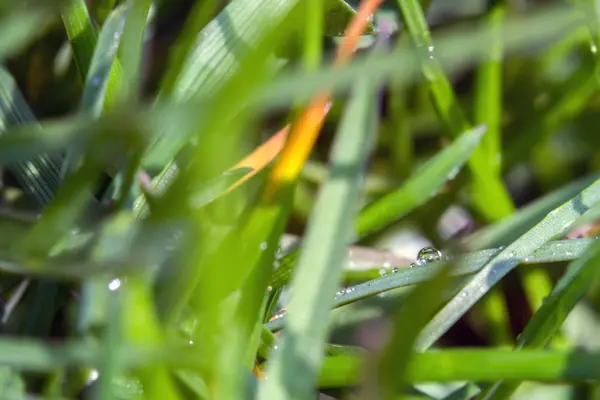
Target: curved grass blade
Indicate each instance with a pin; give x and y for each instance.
(555, 223)
(546, 322)
(319, 270)
(556, 251)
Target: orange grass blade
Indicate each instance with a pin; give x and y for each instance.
(305, 130)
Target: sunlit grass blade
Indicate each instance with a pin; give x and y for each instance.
(82, 33)
(319, 268)
(554, 224)
(546, 322)
(489, 194)
(466, 364)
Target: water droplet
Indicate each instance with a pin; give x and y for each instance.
(383, 294)
(114, 284)
(412, 265)
(191, 342)
(526, 259)
(512, 254)
(269, 289)
(95, 81)
(593, 49)
(263, 246)
(340, 293)
(93, 375)
(394, 270)
(275, 347)
(382, 272)
(278, 315)
(464, 294)
(569, 253)
(430, 51)
(428, 254)
(276, 264)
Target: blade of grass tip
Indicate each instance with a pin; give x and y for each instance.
(130, 51)
(546, 322)
(556, 251)
(554, 224)
(319, 270)
(510, 228)
(82, 33)
(39, 176)
(489, 193)
(416, 310)
(423, 184)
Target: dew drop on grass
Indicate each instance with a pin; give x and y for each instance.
(413, 265)
(394, 270)
(427, 255)
(114, 284)
(263, 246)
(382, 272)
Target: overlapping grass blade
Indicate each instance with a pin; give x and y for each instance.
(82, 33)
(555, 251)
(554, 224)
(414, 192)
(319, 270)
(546, 322)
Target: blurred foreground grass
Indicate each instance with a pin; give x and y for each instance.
(438, 159)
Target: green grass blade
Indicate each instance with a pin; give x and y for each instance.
(509, 229)
(554, 224)
(546, 322)
(489, 194)
(82, 33)
(488, 100)
(423, 184)
(319, 271)
(466, 365)
(102, 66)
(414, 313)
(130, 51)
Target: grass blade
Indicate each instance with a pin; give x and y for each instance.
(551, 226)
(320, 265)
(546, 322)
